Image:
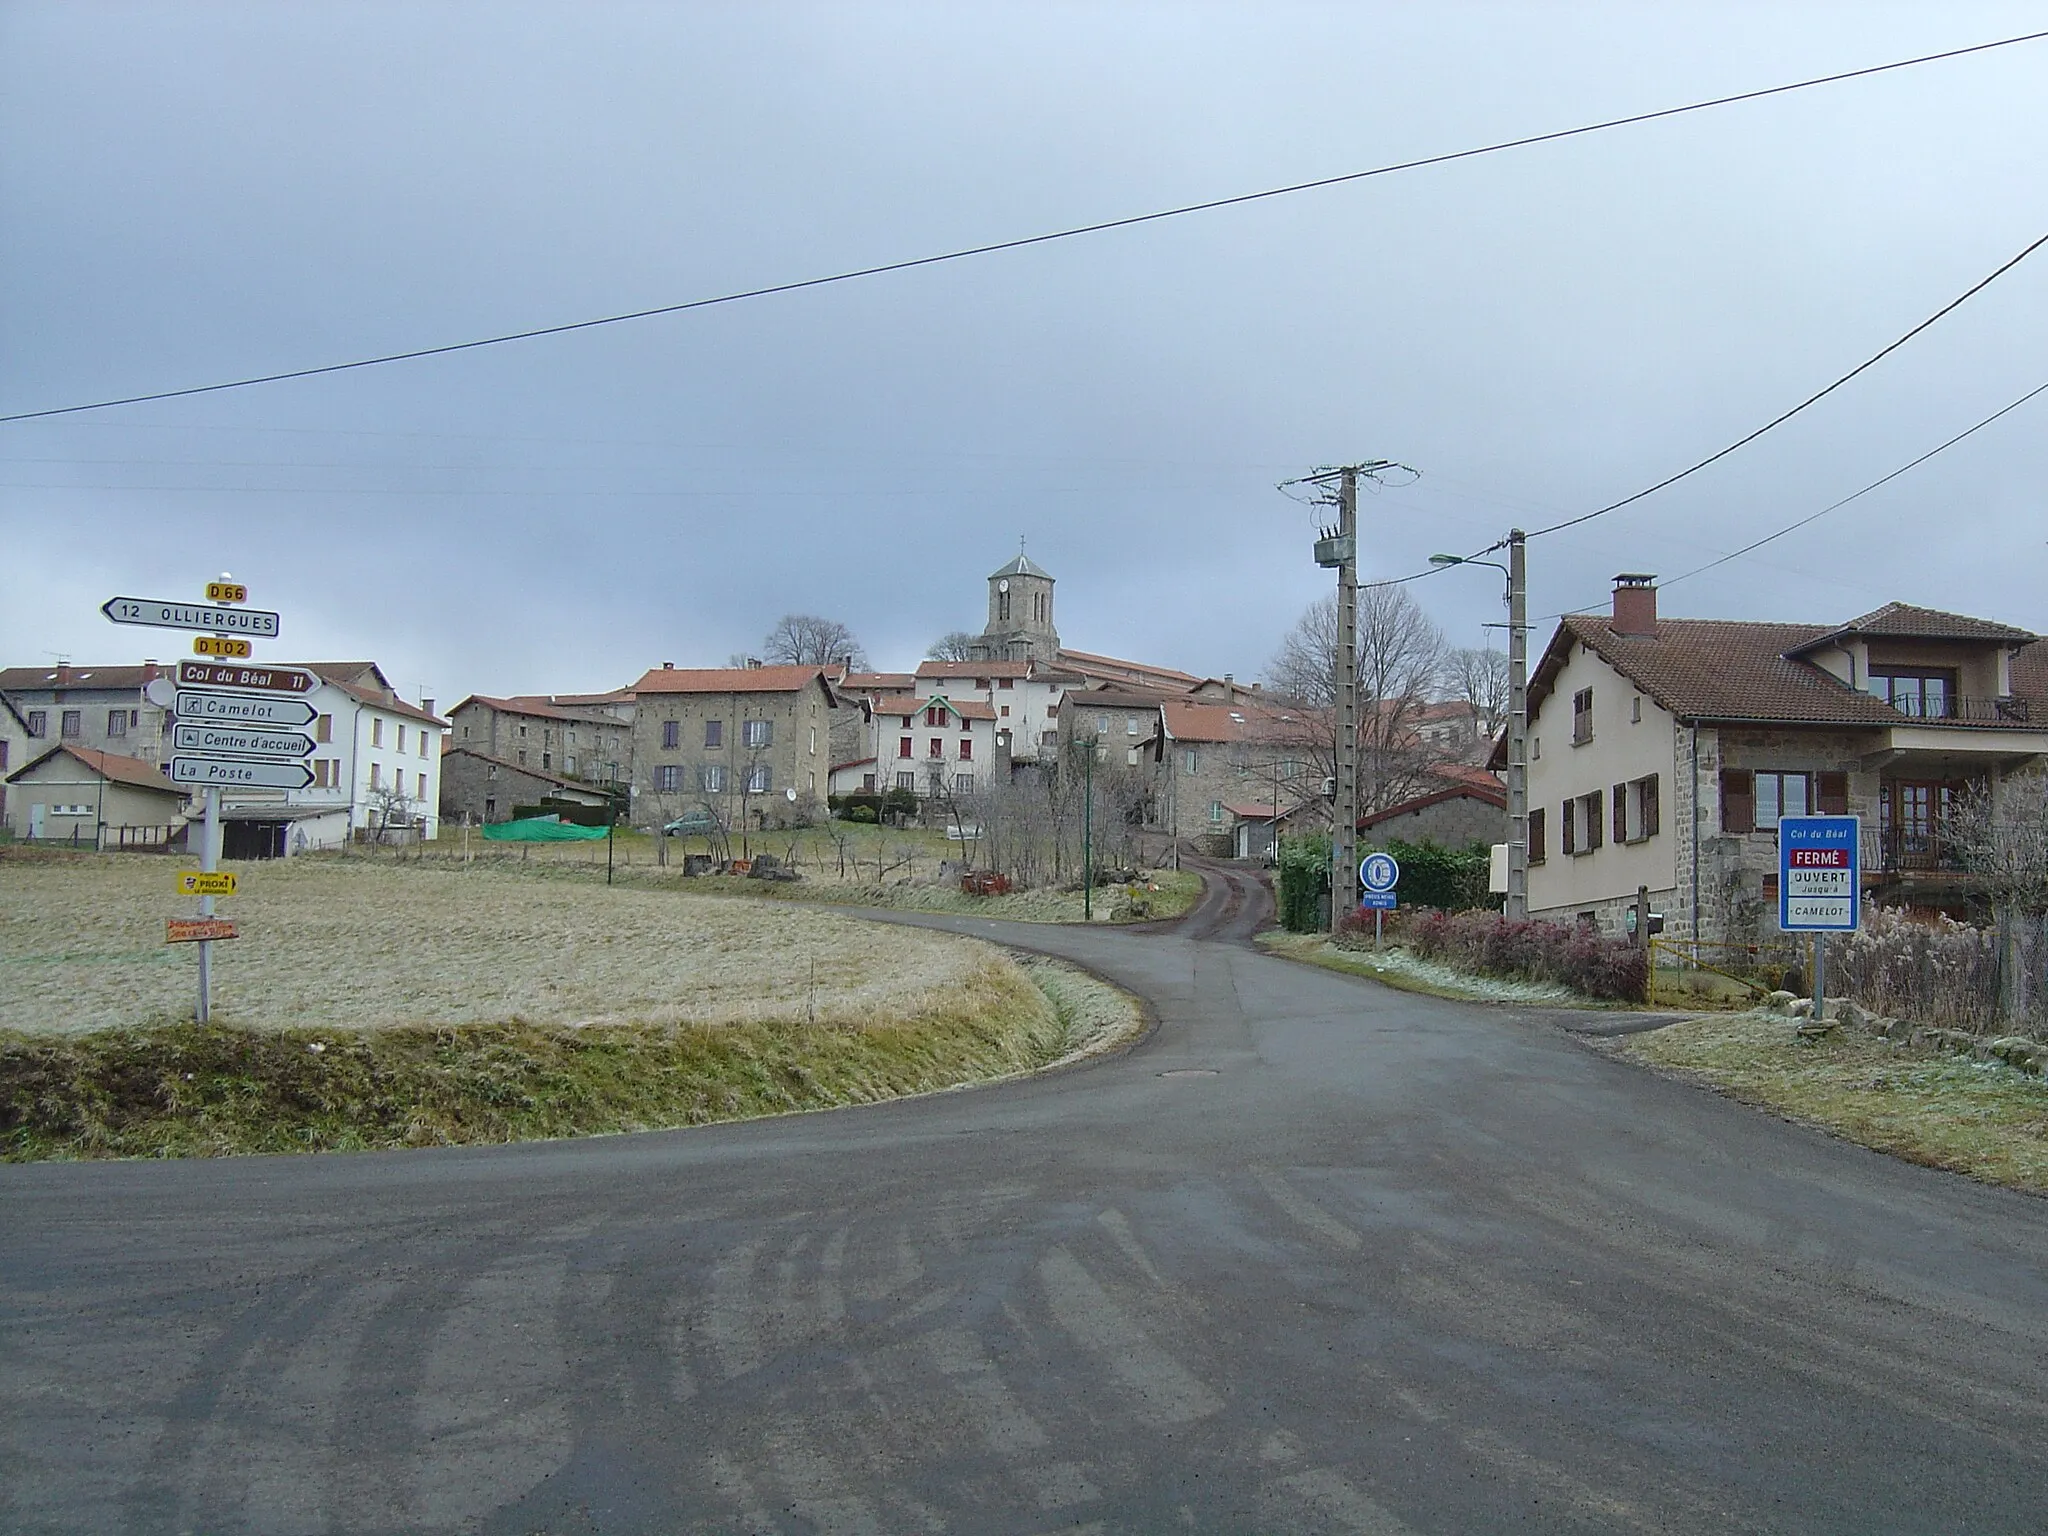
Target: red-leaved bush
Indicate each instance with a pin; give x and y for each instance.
(1489, 944)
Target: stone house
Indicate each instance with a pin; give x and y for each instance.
(750, 743)
(95, 800)
(534, 731)
(479, 788)
(1456, 816)
(1664, 751)
(103, 708)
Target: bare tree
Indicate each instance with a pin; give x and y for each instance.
(2001, 838)
(954, 645)
(1401, 665)
(807, 640)
(1479, 677)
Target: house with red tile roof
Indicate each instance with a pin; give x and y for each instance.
(1663, 753)
(94, 799)
(751, 744)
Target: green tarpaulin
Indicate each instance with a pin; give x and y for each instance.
(541, 829)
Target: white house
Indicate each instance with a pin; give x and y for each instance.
(1023, 698)
(931, 744)
(376, 767)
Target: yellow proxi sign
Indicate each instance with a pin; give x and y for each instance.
(194, 882)
(226, 592)
(221, 645)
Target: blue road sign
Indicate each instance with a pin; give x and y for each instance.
(1384, 900)
(1379, 872)
(1819, 864)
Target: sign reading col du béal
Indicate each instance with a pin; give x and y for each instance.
(1819, 864)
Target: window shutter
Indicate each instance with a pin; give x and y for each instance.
(1536, 836)
(1833, 794)
(1650, 826)
(1621, 813)
(1593, 821)
(1738, 800)
(1567, 831)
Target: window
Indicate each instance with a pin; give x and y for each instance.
(1005, 683)
(398, 782)
(671, 735)
(935, 748)
(490, 770)
(568, 765)
(935, 717)
(1130, 725)
(1782, 794)
(712, 777)
(1102, 725)
(963, 783)
(520, 757)
(117, 722)
(1006, 712)
(547, 761)
(966, 749)
(714, 733)
(1190, 761)
(1535, 749)
(72, 725)
(1635, 810)
(867, 783)
(907, 781)
(668, 777)
(323, 728)
(38, 723)
(401, 737)
(758, 779)
(377, 732)
(1578, 824)
(1003, 607)
(423, 744)
(1635, 711)
(376, 776)
(522, 731)
(490, 807)
(1582, 716)
(903, 746)
(1928, 692)
(757, 733)
(1536, 853)
(1216, 811)
(1131, 757)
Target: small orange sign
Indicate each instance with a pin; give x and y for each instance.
(221, 645)
(189, 930)
(226, 592)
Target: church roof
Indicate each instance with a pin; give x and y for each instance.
(1022, 565)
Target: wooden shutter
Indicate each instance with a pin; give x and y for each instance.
(1536, 854)
(1648, 788)
(1832, 797)
(1594, 821)
(1620, 813)
(1567, 830)
(1738, 800)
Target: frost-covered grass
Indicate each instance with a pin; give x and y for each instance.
(1981, 1118)
(1397, 968)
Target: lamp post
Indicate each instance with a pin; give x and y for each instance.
(1516, 571)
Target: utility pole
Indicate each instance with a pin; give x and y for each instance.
(1518, 727)
(1344, 845)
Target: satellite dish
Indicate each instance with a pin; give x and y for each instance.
(791, 793)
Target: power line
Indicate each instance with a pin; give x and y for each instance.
(1777, 421)
(1027, 240)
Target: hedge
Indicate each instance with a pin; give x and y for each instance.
(1491, 945)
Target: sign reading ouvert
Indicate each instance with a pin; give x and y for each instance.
(233, 724)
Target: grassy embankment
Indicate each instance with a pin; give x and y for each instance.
(1984, 1119)
(371, 1006)
(1395, 967)
(845, 864)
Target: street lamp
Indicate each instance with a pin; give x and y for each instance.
(1517, 574)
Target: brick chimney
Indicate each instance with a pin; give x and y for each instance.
(1635, 604)
(63, 674)
(150, 670)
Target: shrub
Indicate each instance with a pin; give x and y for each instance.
(1451, 879)
(1304, 879)
(1574, 957)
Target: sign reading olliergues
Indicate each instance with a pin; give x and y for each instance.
(158, 613)
(1819, 874)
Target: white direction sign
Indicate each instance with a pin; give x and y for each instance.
(240, 741)
(240, 775)
(215, 618)
(203, 706)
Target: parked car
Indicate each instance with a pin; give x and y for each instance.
(691, 824)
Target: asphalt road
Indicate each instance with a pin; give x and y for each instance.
(1317, 1256)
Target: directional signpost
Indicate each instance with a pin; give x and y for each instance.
(234, 724)
(1820, 884)
(1378, 874)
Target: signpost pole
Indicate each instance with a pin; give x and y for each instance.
(209, 861)
(1820, 977)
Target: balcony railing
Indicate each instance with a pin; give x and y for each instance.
(1963, 710)
(1909, 852)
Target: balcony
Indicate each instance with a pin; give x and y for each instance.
(1909, 852)
(1963, 710)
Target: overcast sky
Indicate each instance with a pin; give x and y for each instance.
(192, 193)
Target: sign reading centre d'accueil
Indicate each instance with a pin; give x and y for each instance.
(1819, 874)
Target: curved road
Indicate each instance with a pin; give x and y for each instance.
(1317, 1256)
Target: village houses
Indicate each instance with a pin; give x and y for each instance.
(752, 744)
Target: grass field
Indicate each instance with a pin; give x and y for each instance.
(372, 1004)
(1980, 1118)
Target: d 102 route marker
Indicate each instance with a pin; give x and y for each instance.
(159, 613)
(220, 645)
(237, 774)
(199, 882)
(200, 674)
(197, 930)
(240, 741)
(205, 707)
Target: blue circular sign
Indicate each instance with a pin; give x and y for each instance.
(1379, 872)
